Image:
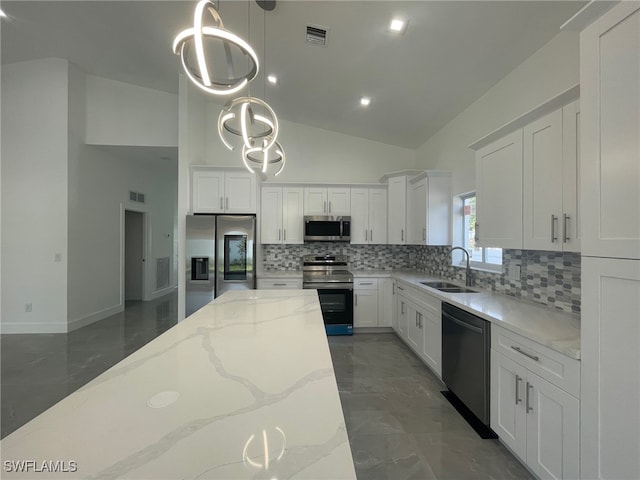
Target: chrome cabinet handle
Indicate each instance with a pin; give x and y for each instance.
(279, 234)
(402, 235)
(519, 350)
(279, 284)
(221, 205)
(329, 207)
(366, 283)
(371, 235)
(554, 237)
(419, 320)
(529, 387)
(518, 378)
(284, 238)
(324, 208)
(401, 307)
(356, 298)
(393, 289)
(565, 230)
(400, 288)
(424, 234)
(477, 232)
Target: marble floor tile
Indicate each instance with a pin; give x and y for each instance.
(399, 424)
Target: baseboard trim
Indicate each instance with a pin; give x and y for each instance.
(94, 317)
(162, 292)
(11, 328)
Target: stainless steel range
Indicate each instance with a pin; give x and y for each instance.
(329, 275)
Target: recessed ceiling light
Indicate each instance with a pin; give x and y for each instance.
(272, 79)
(2, 14)
(397, 25)
(365, 101)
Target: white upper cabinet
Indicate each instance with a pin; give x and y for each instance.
(610, 106)
(369, 215)
(220, 190)
(550, 215)
(397, 211)
(499, 193)
(334, 201)
(281, 219)
(429, 209)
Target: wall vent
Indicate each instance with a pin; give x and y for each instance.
(162, 272)
(136, 197)
(317, 35)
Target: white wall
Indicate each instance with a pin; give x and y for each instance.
(316, 155)
(124, 114)
(34, 196)
(548, 72)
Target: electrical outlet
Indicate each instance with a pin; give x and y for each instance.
(27, 307)
(514, 272)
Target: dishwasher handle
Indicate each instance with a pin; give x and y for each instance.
(462, 323)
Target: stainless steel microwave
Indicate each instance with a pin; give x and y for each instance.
(324, 228)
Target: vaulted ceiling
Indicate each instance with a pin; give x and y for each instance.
(451, 53)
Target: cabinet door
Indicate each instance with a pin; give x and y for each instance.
(360, 215)
(508, 417)
(499, 193)
(401, 315)
(207, 194)
(414, 334)
(365, 308)
(315, 201)
(431, 327)
(571, 177)
(417, 213)
(610, 368)
(542, 197)
(239, 192)
(386, 302)
(271, 215)
(439, 209)
(377, 216)
(339, 201)
(292, 215)
(610, 137)
(397, 211)
(553, 430)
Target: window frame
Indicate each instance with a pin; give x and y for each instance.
(458, 259)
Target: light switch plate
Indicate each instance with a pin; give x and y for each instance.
(514, 272)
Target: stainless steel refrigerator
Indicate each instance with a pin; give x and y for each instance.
(220, 256)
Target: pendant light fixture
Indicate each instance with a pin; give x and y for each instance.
(238, 118)
(264, 158)
(191, 41)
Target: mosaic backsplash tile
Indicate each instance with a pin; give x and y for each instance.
(549, 278)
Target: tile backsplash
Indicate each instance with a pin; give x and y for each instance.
(549, 278)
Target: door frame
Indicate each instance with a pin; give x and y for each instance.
(145, 251)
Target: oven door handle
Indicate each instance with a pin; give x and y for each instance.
(328, 286)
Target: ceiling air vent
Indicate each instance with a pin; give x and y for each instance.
(317, 35)
(136, 197)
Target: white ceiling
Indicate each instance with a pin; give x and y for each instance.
(452, 52)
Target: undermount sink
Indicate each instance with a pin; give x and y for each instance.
(448, 287)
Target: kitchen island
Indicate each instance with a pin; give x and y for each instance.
(243, 388)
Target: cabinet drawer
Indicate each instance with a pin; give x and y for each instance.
(269, 283)
(558, 369)
(365, 283)
(422, 298)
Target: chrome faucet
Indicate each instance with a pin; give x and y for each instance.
(468, 280)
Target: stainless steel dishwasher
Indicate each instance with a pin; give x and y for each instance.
(466, 340)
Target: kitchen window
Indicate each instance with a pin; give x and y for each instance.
(480, 258)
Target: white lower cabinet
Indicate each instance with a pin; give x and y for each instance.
(535, 418)
(365, 302)
(418, 323)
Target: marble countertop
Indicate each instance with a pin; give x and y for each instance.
(557, 330)
(244, 388)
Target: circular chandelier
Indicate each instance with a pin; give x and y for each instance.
(193, 38)
(238, 118)
(264, 159)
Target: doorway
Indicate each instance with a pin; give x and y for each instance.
(134, 255)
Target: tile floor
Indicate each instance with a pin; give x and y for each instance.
(39, 370)
(399, 425)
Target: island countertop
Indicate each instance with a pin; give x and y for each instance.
(243, 388)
